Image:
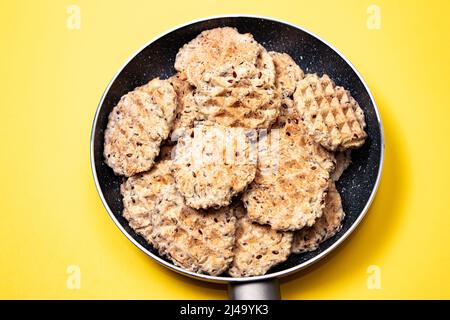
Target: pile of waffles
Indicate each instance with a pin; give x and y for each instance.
(229, 166)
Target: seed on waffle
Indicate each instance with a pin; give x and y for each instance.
(198, 241)
(332, 116)
(137, 126)
(290, 185)
(309, 238)
(343, 160)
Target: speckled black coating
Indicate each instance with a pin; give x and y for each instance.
(312, 55)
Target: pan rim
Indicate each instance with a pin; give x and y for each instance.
(218, 279)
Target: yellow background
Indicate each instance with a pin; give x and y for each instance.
(52, 79)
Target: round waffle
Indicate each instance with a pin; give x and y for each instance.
(212, 164)
(289, 189)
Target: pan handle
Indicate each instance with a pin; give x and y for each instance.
(256, 290)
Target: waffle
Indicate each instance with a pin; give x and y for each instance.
(308, 239)
(140, 191)
(257, 248)
(198, 241)
(288, 74)
(331, 115)
(290, 193)
(212, 164)
(233, 77)
(137, 126)
(248, 174)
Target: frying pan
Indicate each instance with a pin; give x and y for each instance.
(357, 186)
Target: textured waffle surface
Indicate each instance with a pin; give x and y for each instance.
(233, 77)
(289, 189)
(213, 164)
(137, 126)
(332, 116)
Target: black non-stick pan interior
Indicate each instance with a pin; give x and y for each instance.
(311, 54)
